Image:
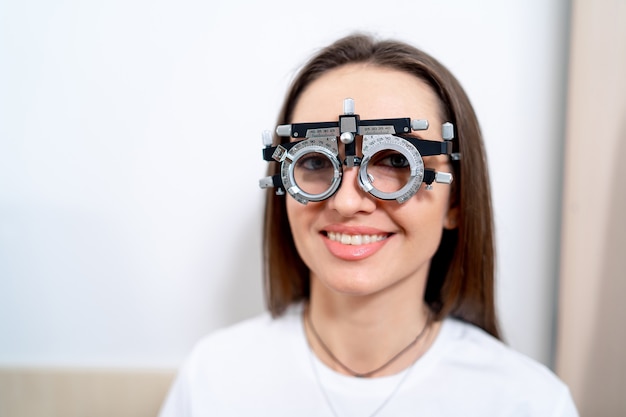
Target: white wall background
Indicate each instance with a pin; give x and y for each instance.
(130, 152)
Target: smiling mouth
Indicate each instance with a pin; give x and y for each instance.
(355, 240)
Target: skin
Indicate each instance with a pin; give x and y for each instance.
(367, 301)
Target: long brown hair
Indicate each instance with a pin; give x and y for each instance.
(461, 276)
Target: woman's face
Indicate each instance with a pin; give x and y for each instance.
(354, 243)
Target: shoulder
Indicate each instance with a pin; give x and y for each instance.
(248, 340)
(472, 345)
(485, 366)
(234, 362)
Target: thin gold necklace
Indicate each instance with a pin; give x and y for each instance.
(374, 371)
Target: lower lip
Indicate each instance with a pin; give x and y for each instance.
(353, 252)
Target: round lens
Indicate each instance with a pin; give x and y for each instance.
(314, 173)
(388, 171)
(392, 168)
(311, 170)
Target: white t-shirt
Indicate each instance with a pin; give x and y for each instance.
(264, 367)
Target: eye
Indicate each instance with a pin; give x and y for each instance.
(392, 160)
(314, 163)
(398, 161)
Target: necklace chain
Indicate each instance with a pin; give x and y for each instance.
(373, 371)
(377, 410)
(357, 374)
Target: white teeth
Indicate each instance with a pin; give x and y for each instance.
(347, 239)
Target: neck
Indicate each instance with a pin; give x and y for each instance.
(365, 332)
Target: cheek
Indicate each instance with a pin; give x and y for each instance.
(292, 212)
(434, 203)
(424, 218)
(299, 216)
(424, 231)
(301, 224)
(426, 226)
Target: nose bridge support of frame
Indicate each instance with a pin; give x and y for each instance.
(322, 137)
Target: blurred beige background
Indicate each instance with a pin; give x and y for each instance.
(591, 348)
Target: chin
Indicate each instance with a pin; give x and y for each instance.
(354, 286)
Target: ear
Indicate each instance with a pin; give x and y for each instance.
(451, 220)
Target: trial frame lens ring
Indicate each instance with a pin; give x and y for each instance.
(374, 144)
(325, 148)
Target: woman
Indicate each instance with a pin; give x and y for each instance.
(379, 305)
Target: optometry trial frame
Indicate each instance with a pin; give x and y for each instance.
(390, 167)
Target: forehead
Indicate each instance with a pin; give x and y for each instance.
(377, 92)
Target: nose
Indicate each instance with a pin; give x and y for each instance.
(350, 199)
